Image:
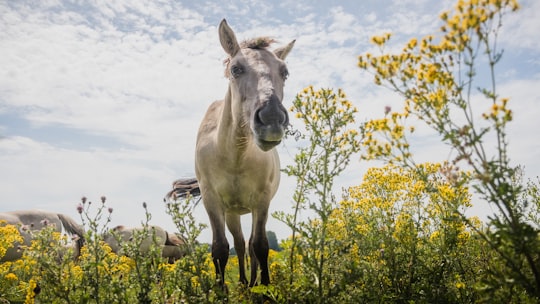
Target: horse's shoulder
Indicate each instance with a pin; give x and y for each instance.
(212, 113)
(209, 124)
(215, 104)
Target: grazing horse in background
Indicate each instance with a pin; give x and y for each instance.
(170, 244)
(237, 167)
(28, 221)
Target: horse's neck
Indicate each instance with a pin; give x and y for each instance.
(234, 135)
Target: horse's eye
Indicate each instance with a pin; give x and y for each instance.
(285, 74)
(236, 71)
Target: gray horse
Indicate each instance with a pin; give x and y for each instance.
(171, 245)
(29, 221)
(237, 167)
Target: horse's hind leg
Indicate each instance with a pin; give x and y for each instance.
(235, 227)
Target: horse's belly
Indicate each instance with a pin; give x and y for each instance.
(240, 201)
(237, 209)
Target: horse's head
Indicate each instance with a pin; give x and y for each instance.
(257, 77)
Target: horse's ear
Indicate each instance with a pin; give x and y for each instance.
(228, 39)
(282, 52)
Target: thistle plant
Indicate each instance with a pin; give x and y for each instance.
(95, 227)
(181, 212)
(144, 249)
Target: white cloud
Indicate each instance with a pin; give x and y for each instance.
(520, 29)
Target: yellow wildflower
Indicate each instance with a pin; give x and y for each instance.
(11, 277)
(31, 292)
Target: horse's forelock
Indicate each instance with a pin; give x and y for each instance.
(259, 43)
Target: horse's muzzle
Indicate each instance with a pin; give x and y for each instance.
(267, 145)
(270, 122)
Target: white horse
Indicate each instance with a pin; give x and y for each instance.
(29, 221)
(171, 245)
(237, 167)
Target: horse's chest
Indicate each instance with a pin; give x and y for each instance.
(238, 182)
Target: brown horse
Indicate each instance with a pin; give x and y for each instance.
(170, 244)
(28, 221)
(236, 164)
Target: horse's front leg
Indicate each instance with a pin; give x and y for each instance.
(220, 246)
(235, 227)
(258, 248)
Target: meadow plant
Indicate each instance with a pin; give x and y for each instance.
(96, 256)
(193, 275)
(449, 83)
(326, 116)
(403, 239)
(397, 237)
(146, 269)
(181, 212)
(12, 286)
(48, 273)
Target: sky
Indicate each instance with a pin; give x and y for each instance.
(104, 98)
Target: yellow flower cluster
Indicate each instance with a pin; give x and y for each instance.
(11, 277)
(406, 201)
(459, 282)
(9, 234)
(41, 266)
(427, 60)
(471, 15)
(327, 113)
(309, 104)
(432, 74)
(499, 113)
(381, 40)
(386, 138)
(31, 292)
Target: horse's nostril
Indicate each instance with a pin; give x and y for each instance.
(260, 118)
(268, 117)
(272, 112)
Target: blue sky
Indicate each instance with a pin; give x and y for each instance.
(105, 97)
